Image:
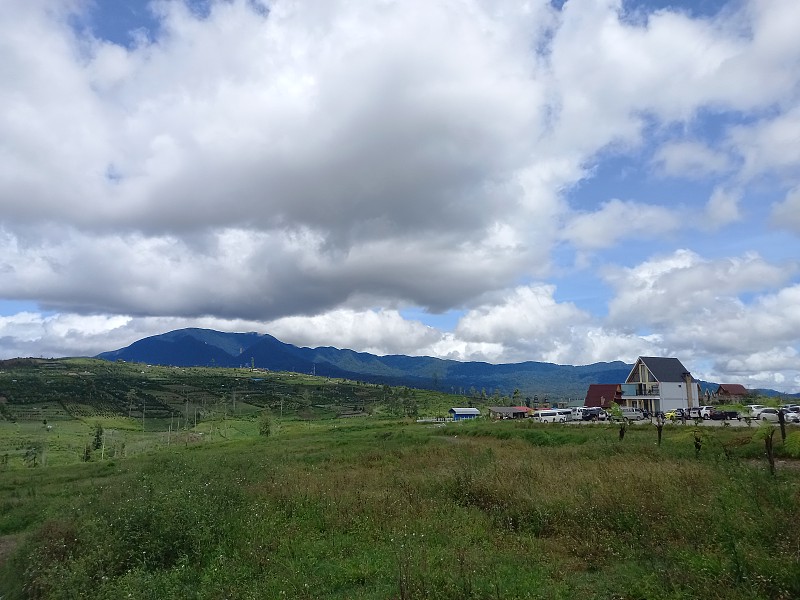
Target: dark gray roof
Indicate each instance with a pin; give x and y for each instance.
(664, 369)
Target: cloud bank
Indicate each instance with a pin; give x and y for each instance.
(583, 183)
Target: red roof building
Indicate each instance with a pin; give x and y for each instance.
(731, 390)
(603, 394)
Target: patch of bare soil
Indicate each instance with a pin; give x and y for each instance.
(8, 544)
(788, 464)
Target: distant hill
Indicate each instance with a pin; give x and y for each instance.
(206, 347)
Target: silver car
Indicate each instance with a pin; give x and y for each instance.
(791, 414)
(768, 414)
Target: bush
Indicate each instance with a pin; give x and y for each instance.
(264, 424)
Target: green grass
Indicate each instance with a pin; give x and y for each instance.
(376, 508)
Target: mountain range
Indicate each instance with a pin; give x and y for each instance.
(195, 347)
(208, 348)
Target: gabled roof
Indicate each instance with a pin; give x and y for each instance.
(465, 411)
(509, 410)
(602, 394)
(663, 369)
(732, 389)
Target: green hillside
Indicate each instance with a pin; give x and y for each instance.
(381, 509)
(319, 488)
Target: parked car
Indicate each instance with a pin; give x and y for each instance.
(718, 414)
(696, 412)
(565, 413)
(634, 414)
(705, 412)
(754, 409)
(677, 414)
(768, 414)
(593, 413)
(548, 415)
(791, 414)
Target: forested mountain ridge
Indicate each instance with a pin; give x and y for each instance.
(205, 347)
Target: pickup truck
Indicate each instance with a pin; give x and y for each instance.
(718, 414)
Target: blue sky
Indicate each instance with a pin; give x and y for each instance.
(570, 182)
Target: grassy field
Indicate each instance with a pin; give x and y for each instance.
(380, 508)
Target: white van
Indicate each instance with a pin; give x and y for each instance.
(633, 414)
(566, 413)
(548, 415)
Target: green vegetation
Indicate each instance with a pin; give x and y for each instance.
(264, 506)
(77, 409)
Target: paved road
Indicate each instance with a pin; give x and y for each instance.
(691, 423)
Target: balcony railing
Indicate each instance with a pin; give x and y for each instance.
(640, 389)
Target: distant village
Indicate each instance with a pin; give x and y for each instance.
(655, 385)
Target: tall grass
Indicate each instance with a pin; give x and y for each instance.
(406, 511)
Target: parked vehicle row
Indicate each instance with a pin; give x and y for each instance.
(712, 413)
(758, 412)
(552, 415)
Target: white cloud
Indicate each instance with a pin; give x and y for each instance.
(328, 164)
(786, 214)
(769, 145)
(690, 159)
(671, 290)
(722, 209)
(617, 220)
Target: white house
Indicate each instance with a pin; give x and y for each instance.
(660, 384)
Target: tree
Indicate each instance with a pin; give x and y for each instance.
(659, 425)
(98, 436)
(615, 414)
(698, 442)
(33, 454)
(766, 432)
(411, 407)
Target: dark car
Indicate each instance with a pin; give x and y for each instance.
(718, 414)
(593, 414)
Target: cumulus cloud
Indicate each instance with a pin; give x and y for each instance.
(326, 165)
(683, 286)
(616, 220)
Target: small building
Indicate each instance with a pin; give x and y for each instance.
(731, 392)
(509, 412)
(462, 414)
(601, 395)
